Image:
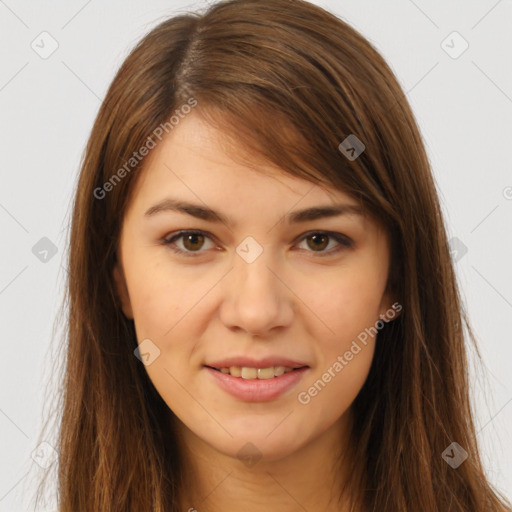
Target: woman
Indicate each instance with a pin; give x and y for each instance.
(263, 312)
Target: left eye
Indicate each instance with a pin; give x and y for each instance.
(194, 240)
(319, 237)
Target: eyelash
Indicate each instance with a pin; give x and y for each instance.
(344, 241)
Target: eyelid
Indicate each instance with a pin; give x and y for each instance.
(344, 242)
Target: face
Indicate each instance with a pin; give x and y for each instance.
(263, 287)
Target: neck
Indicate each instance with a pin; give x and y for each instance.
(310, 478)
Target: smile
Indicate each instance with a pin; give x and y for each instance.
(256, 384)
(247, 372)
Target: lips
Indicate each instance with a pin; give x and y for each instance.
(250, 389)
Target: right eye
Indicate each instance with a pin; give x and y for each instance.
(192, 239)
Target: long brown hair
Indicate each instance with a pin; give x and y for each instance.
(290, 82)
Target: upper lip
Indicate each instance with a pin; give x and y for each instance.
(266, 362)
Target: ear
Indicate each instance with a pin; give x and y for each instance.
(389, 307)
(122, 291)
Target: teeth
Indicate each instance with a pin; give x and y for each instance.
(236, 371)
(250, 373)
(247, 372)
(265, 373)
(279, 370)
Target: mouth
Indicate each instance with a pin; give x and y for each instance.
(250, 384)
(250, 373)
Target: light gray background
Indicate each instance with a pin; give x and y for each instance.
(463, 106)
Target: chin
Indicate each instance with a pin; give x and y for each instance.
(251, 448)
(251, 454)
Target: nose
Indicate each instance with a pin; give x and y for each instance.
(256, 298)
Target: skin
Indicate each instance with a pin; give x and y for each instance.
(290, 301)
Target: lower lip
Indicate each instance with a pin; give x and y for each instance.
(257, 390)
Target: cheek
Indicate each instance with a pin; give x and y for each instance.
(345, 354)
(160, 296)
(154, 309)
(166, 306)
(161, 314)
(349, 308)
(348, 302)
(331, 392)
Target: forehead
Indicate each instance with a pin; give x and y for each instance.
(197, 159)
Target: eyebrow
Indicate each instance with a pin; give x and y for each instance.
(207, 214)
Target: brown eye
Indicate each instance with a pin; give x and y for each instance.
(318, 241)
(192, 242)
